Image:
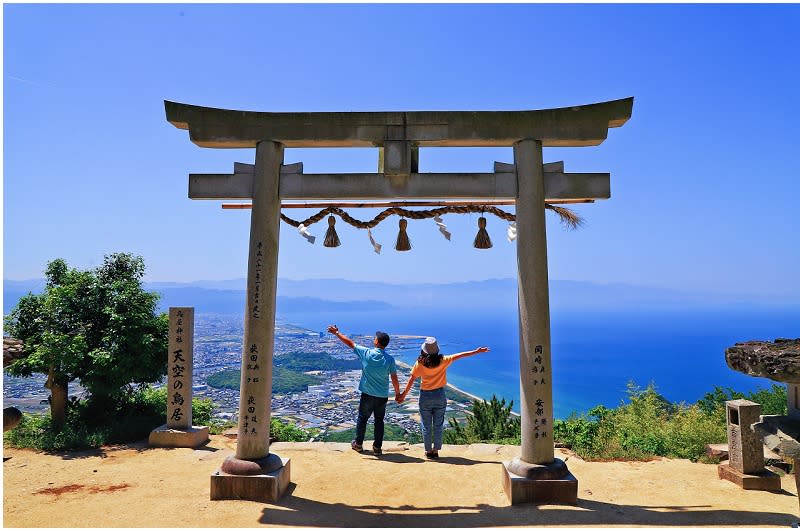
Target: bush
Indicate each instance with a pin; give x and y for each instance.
(582, 433)
(490, 422)
(646, 426)
(90, 424)
(286, 432)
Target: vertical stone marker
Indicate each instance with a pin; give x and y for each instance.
(745, 465)
(179, 431)
(535, 476)
(254, 473)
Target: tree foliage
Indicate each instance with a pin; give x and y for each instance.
(490, 421)
(773, 400)
(99, 327)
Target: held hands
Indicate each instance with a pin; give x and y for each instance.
(399, 397)
(333, 329)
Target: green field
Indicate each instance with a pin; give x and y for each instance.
(315, 361)
(284, 381)
(391, 432)
(287, 375)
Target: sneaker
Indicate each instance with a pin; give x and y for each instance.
(355, 446)
(377, 451)
(433, 454)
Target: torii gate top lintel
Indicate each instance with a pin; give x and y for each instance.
(583, 125)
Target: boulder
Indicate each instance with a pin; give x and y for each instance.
(778, 361)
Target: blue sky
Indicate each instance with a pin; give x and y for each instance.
(704, 176)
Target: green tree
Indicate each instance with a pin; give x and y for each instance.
(98, 327)
(490, 421)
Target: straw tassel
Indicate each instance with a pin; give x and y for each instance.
(331, 238)
(403, 243)
(482, 240)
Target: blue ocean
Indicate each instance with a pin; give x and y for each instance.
(595, 354)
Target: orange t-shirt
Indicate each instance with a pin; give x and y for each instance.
(432, 378)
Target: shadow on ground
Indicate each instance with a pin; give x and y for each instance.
(294, 511)
(140, 447)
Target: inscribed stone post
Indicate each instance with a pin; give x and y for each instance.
(180, 368)
(179, 432)
(255, 402)
(536, 395)
(536, 475)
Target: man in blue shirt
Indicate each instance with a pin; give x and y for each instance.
(376, 365)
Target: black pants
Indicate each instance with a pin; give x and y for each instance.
(367, 406)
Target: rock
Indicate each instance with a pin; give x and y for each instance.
(717, 451)
(778, 361)
(720, 451)
(781, 434)
(11, 417)
(13, 349)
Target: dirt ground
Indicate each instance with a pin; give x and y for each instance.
(332, 486)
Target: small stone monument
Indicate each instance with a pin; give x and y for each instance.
(179, 432)
(745, 466)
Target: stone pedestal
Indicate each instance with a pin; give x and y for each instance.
(167, 437)
(554, 484)
(763, 480)
(266, 487)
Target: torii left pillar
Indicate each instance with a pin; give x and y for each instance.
(255, 473)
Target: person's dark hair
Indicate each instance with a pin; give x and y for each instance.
(429, 360)
(383, 339)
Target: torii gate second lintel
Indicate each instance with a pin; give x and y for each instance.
(536, 475)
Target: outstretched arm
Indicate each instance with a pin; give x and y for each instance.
(408, 387)
(470, 353)
(333, 329)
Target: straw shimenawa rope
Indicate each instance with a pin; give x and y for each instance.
(569, 218)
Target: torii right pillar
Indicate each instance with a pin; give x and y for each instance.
(536, 475)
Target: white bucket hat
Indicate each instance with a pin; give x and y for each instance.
(430, 346)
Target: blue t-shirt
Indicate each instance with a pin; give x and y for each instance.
(376, 365)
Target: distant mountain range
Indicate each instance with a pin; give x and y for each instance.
(228, 296)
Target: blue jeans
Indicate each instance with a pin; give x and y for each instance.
(431, 409)
(367, 406)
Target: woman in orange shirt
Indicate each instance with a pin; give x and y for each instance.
(431, 366)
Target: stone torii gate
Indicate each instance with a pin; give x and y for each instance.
(536, 475)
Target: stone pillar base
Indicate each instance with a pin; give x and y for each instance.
(764, 480)
(520, 489)
(269, 487)
(164, 436)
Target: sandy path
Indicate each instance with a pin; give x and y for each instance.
(136, 486)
